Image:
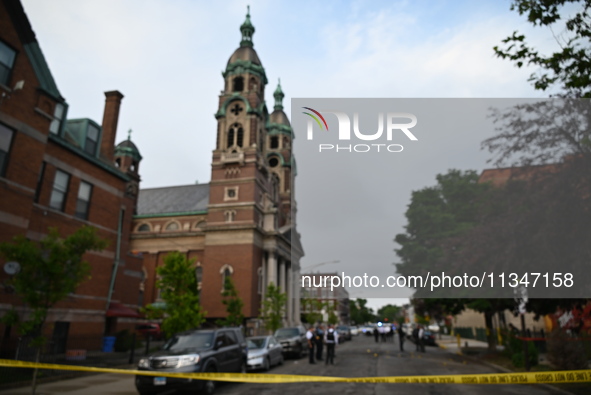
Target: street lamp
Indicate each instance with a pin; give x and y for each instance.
(319, 264)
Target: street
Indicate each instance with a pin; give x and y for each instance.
(361, 357)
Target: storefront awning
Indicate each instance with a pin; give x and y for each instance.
(117, 309)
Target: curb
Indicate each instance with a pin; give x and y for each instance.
(505, 370)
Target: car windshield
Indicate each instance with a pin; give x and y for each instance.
(192, 340)
(256, 343)
(287, 332)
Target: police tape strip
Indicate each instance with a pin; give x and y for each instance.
(570, 376)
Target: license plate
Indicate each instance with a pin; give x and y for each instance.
(159, 380)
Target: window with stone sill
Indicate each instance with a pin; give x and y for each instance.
(58, 116)
(59, 190)
(7, 56)
(6, 136)
(83, 201)
(231, 193)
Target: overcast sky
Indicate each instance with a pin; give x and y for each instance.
(166, 57)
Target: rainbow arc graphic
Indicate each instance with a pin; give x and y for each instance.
(315, 118)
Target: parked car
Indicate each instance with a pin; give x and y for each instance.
(344, 333)
(293, 340)
(263, 352)
(434, 328)
(354, 330)
(367, 330)
(151, 329)
(429, 338)
(213, 350)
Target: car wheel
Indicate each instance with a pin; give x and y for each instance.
(209, 387)
(266, 364)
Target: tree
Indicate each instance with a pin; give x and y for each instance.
(49, 271)
(359, 312)
(273, 308)
(389, 313)
(570, 66)
(435, 215)
(233, 304)
(178, 286)
(313, 308)
(440, 221)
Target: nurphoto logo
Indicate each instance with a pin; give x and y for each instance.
(396, 122)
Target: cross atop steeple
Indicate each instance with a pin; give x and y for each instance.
(247, 30)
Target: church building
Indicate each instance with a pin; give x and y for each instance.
(242, 224)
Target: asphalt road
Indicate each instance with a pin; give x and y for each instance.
(361, 357)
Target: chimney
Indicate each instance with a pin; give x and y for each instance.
(110, 119)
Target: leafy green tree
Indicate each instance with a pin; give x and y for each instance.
(233, 304)
(178, 286)
(359, 312)
(49, 271)
(435, 215)
(440, 219)
(389, 313)
(570, 65)
(313, 308)
(333, 319)
(273, 308)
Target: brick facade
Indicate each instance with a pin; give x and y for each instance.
(42, 143)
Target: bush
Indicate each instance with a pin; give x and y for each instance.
(124, 341)
(518, 359)
(566, 352)
(514, 350)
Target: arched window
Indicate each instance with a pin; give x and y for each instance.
(199, 276)
(230, 215)
(252, 84)
(238, 85)
(273, 161)
(200, 225)
(226, 271)
(172, 226)
(143, 228)
(274, 142)
(235, 136)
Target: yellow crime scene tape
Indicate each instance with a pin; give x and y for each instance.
(570, 376)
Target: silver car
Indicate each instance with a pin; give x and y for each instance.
(263, 352)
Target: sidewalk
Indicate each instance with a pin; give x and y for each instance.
(450, 343)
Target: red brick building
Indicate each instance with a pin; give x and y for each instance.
(241, 224)
(56, 172)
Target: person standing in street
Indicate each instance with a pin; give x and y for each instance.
(401, 337)
(319, 337)
(311, 342)
(376, 334)
(421, 340)
(415, 337)
(331, 340)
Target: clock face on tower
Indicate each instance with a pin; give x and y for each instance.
(12, 268)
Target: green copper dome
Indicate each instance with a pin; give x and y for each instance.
(247, 30)
(128, 148)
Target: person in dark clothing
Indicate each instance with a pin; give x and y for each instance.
(415, 337)
(311, 342)
(331, 341)
(376, 334)
(319, 338)
(401, 337)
